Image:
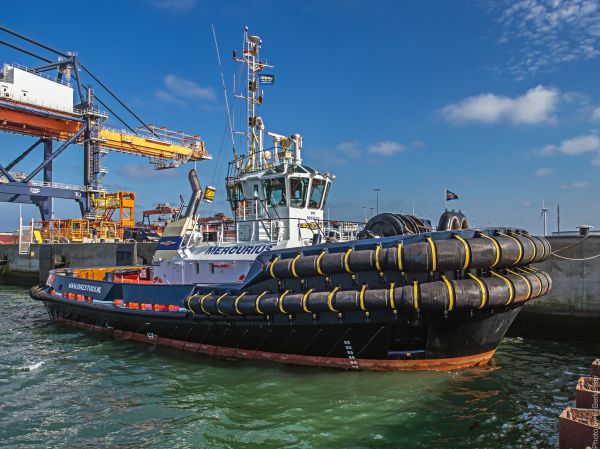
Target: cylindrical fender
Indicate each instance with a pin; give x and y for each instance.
(471, 293)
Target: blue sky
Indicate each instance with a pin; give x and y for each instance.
(497, 101)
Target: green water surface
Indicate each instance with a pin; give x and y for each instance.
(61, 387)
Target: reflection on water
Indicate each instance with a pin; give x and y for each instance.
(64, 387)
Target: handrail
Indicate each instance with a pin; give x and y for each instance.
(33, 72)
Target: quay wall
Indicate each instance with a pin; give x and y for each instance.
(571, 311)
(33, 267)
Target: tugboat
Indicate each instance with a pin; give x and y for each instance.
(285, 285)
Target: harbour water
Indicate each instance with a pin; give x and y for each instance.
(61, 387)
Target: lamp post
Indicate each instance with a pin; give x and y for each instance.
(377, 190)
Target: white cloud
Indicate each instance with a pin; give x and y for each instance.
(546, 33)
(596, 114)
(349, 149)
(345, 151)
(386, 148)
(185, 88)
(168, 97)
(576, 185)
(573, 146)
(174, 5)
(179, 91)
(537, 105)
(540, 172)
(580, 144)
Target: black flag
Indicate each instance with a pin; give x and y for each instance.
(451, 195)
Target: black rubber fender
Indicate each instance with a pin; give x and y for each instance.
(444, 295)
(430, 255)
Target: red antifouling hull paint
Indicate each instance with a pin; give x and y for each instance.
(294, 359)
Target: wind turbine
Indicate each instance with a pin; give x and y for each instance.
(544, 214)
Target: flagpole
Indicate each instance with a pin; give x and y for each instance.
(445, 199)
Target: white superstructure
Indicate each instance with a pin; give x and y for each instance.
(277, 201)
(18, 84)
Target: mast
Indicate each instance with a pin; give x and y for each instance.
(253, 98)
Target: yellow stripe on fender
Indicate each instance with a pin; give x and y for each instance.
(294, 266)
(496, 245)
(271, 268)
(433, 254)
(318, 263)
(534, 248)
(202, 303)
(218, 301)
(235, 304)
(257, 302)
(399, 255)
(519, 245)
(330, 299)
(346, 265)
(537, 273)
(305, 299)
(450, 288)
(467, 251)
(543, 251)
(392, 299)
(377, 264)
(187, 303)
(416, 295)
(525, 270)
(482, 288)
(281, 298)
(511, 289)
(529, 288)
(361, 298)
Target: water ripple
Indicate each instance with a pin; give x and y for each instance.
(61, 387)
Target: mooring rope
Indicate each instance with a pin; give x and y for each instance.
(574, 258)
(572, 244)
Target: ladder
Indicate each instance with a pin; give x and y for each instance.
(25, 237)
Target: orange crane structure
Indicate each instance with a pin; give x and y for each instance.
(165, 213)
(44, 107)
(103, 225)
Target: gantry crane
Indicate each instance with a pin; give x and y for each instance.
(35, 104)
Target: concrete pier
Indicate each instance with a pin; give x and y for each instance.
(571, 311)
(33, 267)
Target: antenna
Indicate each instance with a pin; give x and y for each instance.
(544, 214)
(254, 97)
(224, 92)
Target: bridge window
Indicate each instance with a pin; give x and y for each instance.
(316, 193)
(327, 189)
(298, 188)
(234, 193)
(275, 191)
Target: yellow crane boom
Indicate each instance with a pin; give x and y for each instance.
(160, 145)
